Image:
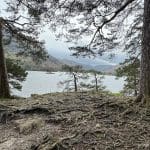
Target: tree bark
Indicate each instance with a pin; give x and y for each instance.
(145, 55)
(135, 86)
(4, 85)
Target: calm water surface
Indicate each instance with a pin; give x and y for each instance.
(39, 82)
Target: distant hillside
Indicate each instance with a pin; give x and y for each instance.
(54, 64)
(28, 63)
(51, 64)
(102, 68)
(12, 48)
(70, 62)
(106, 68)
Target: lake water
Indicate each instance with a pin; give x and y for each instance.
(39, 82)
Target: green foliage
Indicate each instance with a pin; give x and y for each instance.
(16, 73)
(130, 69)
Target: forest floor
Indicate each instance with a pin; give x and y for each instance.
(69, 121)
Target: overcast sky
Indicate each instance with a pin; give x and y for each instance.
(59, 49)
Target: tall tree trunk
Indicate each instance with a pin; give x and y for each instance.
(4, 86)
(145, 58)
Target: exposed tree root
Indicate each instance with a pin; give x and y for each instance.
(36, 110)
(94, 123)
(57, 145)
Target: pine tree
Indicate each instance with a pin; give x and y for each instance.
(75, 72)
(16, 74)
(130, 70)
(95, 81)
(23, 28)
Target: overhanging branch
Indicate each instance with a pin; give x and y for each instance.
(112, 18)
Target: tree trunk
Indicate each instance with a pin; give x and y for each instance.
(75, 83)
(135, 92)
(145, 55)
(4, 86)
(96, 86)
(135, 86)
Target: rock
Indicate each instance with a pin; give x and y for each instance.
(27, 126)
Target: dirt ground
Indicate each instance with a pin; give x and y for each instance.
(69, 121)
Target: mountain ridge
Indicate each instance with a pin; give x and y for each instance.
(103, 68)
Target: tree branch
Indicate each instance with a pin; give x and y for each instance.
(112, 18)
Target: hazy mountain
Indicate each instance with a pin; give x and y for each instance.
(70, 62)
(106, 68)
(55, 64)
(103, 68)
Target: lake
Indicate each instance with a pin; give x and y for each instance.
(39, 82)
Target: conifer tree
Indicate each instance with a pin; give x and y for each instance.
(75, 72)
(130, 70)
(16, 74)
(95, 81)
(23, 27)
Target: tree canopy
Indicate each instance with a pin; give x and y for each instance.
(22, 23)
